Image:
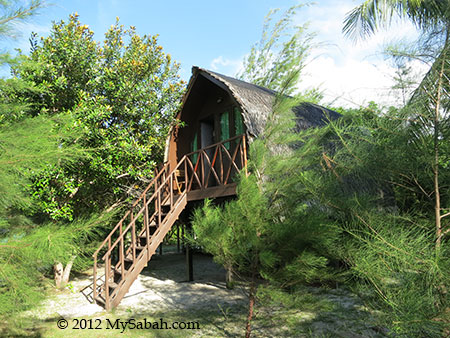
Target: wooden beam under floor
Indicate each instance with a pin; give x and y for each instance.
(213, 192)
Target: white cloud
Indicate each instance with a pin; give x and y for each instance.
(349, 73)
(351, 84)
(226, 66)
(355, 82)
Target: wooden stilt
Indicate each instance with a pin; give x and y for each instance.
(183, 240)
(178, 238)
(189, 260)
(189, 264)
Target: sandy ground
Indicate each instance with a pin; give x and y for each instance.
(161, 286)
(162, 289)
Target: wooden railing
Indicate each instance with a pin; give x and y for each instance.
(216, 164)
(125, 251)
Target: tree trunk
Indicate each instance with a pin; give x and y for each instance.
(437, 196)
(58, 268)
(229, 278)
(62, 274)
(67, 270)
(251, 304)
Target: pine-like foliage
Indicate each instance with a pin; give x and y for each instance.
(27, 147)
(235, 233)
(27, 256)
(29, 144)
(375, 184)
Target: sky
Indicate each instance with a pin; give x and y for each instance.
(217, 35)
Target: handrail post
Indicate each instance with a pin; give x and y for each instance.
(156, 200)
(202, 169)
(122, 261)
(94, 275)
(107, 271)
(133, 235)
(171, 190)
(109, 243)
(159, 207)
(147, 230)
(221, 166)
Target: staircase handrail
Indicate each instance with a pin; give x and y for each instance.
(152, 182)
(161, 186)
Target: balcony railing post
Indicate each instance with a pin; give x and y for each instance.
(202, 169)
(244, 145)
(221, 165)
(186, 177)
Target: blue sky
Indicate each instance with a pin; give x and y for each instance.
(218, 34)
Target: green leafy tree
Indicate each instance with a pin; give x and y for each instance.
(80, 124)
(123, 95)
(13, 105)
(427, 15)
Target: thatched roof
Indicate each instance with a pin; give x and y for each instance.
(256, 103)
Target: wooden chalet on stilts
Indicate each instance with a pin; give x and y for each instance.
(221, 115)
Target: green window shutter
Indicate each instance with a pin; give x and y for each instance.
(225, 128)
(194, 147)
(238, 122)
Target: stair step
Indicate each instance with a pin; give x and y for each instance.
(117, 275)
(100, 300)
(142, 239)
(144, 236)
(128, 261)
(117, 271)
(167, 203)
(112, 285)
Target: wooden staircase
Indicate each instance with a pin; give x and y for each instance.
(128, 249)
(133, 241)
